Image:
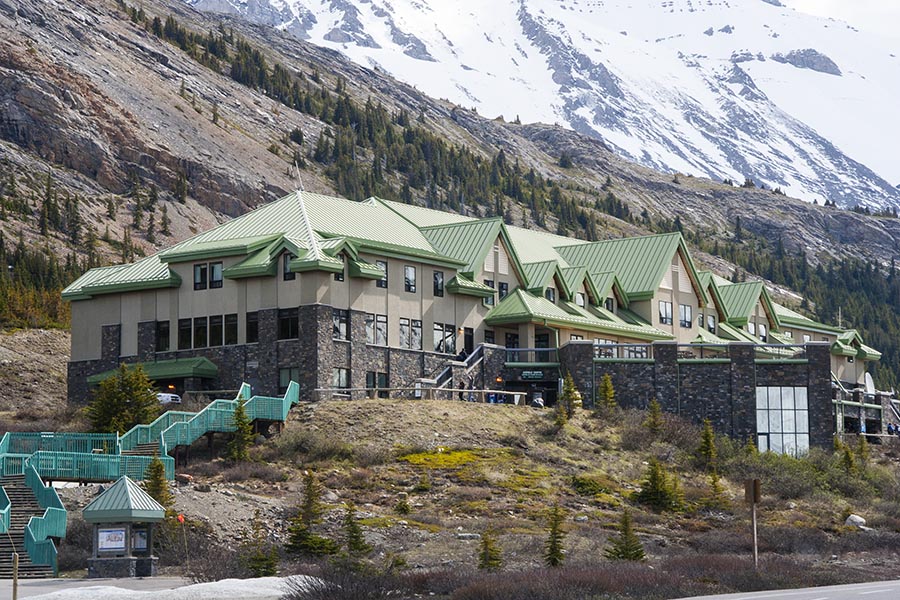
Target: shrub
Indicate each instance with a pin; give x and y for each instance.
(314, 446)
(588, 486)
(654, 420)
(659, 490)
(490, 556)
(252, 470)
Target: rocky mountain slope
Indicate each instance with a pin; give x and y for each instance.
(105, 105)
(719, 89)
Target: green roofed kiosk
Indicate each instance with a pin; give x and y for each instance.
(123, 518)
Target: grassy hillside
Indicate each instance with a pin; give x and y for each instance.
(468, 469)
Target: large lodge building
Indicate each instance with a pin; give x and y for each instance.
(349, 298)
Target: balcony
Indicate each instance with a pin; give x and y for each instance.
(548, 357)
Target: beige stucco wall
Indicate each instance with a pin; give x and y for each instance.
(676, 288)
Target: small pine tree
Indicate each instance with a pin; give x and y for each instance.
(659, 490)
(156, 484)
(706, 452)
(122, 401)
(569, 397)
(654, 421)
(490, 555)
(606, 394)
(626, 546)
(402, 507)
(164, 221)
(717, 498)
(553, 547)
(750, 448)
(862, 452)
(258, 553)
(215, 113)
(239, 446)
(848, 461)
(301, 539)
(356, 544)
(561, 416)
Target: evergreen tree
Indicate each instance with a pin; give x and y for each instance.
(164, 221)
(626, 546)
(569, 397)
(654, 420)
(490, 555)
(239, 446)
(862, 451)
(156, 484)
(554, 553)
(181, 188)
(717, 498)
(606, 394)
(659, 490)
(706, 452)
(258, 554)
(356, 544)
(301, 539)
(122, 401)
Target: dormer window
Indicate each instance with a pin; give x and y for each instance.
(579, 299)
(286, 273)
(550, 294)
(610, 304)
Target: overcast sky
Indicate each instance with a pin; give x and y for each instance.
(882, 16)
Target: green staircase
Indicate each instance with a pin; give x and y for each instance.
(33, 458)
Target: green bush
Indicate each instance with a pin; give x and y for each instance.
(588, 486)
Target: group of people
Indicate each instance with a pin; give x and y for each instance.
(893, 429)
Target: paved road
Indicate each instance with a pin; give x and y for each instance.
(36, 587)
(884, 590)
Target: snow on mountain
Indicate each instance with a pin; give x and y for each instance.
(723, 88)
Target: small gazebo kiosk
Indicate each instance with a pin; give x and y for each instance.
(123, 518)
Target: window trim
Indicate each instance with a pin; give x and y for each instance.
(686, 316)
(286, 273)
(340, 324)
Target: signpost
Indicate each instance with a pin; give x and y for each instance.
(753, 495)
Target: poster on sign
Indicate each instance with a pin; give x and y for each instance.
(110, 539)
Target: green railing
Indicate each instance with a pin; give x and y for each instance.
(12, 464)
(41, 549)
(73, 466)
(4, 511)
(145, 434)
(29, 442)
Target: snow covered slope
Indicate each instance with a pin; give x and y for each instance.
(723, 88)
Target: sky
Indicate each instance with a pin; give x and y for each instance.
(880, 16)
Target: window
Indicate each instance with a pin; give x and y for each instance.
(404, 332)
(339, 276)
(286, 273)
(230, 330)
(782, 420)
(575, 337)
(288, 324)
(438, 284)
(382, 283)
(340, 378)
(201, 329)
(635, 352)
(512, 340)
(340, 320)
(788, 333)
(579, 299)
(488, 336)
(610, 304)
(376, 329)
(200, 277)
(763, 334)
(215, 275)
(184, 334)
(409, 278)
(751, 327)
(286, 376)
(252, 327)
(711, 323)
(215, 330)
(806, 338)
(700, 323)
(490, 283)
(550, 294)
(377, 381)
(665, 312)
(162, 336)
(686, 315)
(415, 339)
(445, 338)
(504, 289)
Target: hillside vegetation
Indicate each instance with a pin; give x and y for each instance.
(430, 479)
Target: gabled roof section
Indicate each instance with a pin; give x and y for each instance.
(539, 275)
(740, 299)
(463, 285)
(147, 273)
(467, 241)
(538, 246)
(522, 307)
(124, 501)
(420, 215)
(602, 284)
(640, 263)
(790, 318)
(709, 283)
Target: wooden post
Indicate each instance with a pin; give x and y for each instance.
(15, 577)
(753, 495)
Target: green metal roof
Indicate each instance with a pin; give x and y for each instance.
(538, 246)
(463, 285)
(147, 273)
(730, 332)
(604, 283)
(167, 369)
(710, 283)
(740, 300)
(789, 317)
(704, 336)
(421, 216)
(124, 502)
(522, 307)
(467, 241)
(539, 275)
(640, 263)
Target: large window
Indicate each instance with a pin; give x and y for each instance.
(339, 276)
(409, 278)
(286, 376)
(410, 334)
(376, 329)
(215, 275)
(184, 334)
(686, 315)
(340, 321)
(490, 283)
(665, 312)
(288, 324)
(215, 330)
(438, 284)
(340, 378)
(252, 327)
(377, 381)
(383, 282)
(782, 420)
(201, 330)
(162, 336)
(286, 272)
(488, 336)
(200, 277)
(231, 329)
(445, 338)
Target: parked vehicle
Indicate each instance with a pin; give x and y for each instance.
(165, 398)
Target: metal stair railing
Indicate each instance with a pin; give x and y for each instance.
(4, 511)
(149, 433)
(31, 442)
(41, 549)
(474, 359)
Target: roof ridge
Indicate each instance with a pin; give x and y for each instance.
(460, 224)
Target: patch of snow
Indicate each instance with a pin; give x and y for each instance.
(263, 588)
